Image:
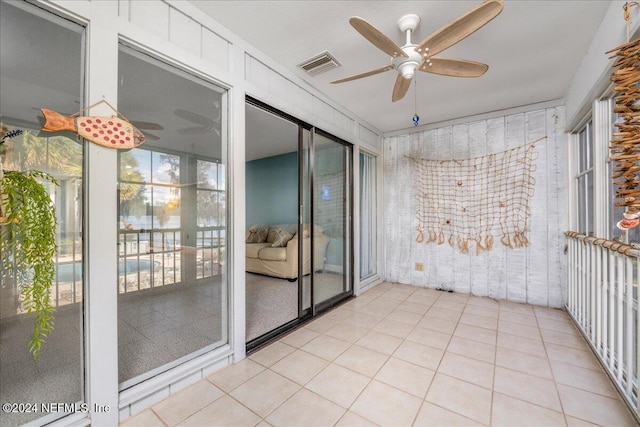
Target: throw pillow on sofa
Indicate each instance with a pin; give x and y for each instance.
(258, 233)
(281, 237)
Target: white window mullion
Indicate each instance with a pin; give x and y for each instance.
(102, 219)
(572, 166)
(602, 135)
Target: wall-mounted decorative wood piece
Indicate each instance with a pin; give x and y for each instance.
(111, 132)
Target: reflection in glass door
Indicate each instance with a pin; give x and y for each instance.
(305, 221)
(29, 35)
(271, 249)
(331, 213)
(172, 282)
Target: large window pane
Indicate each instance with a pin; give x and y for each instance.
(331, 213)
(584, 181)
(589, 197)
(41, 66)
(368, 217)
(172, 285)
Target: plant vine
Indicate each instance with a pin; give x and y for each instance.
(27, 244)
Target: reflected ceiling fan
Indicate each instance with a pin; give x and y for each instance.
(206, 124)
(147, 126)
(411, 57)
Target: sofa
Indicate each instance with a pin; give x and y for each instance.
(272, 250)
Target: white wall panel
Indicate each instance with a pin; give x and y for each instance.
(537, 273)
(497, 258)
(278, 84)
(478, 263)
(188, 37)
(446, 253)
(124, 9)
(403, 213)
(425, 254)
(390, 199)
(558, 196)
(256, 72)
(215, 49)
(532, 274)
(461, 150)
(322, 110)
(344, 122)
(368, 136)
(516, 258)
(417, 277)
(150, 16)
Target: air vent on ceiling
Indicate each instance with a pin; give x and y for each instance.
(320, 63)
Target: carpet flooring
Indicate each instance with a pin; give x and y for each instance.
(155, 327)
(272, 302)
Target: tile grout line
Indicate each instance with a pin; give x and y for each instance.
(553, 374)
(537, 316)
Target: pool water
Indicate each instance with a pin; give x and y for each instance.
(73, 271)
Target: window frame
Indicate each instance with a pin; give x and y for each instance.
(604, 214)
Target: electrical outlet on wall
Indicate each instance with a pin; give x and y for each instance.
(419, 266)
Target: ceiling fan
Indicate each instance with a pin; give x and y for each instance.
(206, 124)
(411, 57)
(148, 126)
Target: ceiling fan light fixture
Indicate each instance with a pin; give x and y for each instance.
(408, 69)
(410, 57)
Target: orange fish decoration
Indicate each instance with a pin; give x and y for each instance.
(111, 132)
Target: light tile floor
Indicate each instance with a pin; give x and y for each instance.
(400, 355)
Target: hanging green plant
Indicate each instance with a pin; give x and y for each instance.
(27, 245)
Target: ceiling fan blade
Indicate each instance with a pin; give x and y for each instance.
(146, 125)
(400, 88)
(376, 37)
(151, 136)
(461, 27)
(193, 117)
(454, 67)
(193, 131)
(367, 74)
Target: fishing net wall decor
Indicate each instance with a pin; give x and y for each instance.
(474, 201)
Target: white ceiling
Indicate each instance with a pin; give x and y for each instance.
(268, 135)
(533, 49)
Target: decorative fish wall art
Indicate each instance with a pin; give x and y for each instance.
(111, 132)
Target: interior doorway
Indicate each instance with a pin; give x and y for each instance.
(299, 234)
(271, 205)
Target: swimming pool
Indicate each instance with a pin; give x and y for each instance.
(73, 271)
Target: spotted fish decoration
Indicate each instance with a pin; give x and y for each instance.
(111, 132)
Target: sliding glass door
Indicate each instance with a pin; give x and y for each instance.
(271, 172)
(305, 219)
(298, 186)
(331, 212)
